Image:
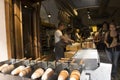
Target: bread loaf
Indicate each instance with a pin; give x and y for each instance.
(8, 68)
(2, 66)
(38, 73)
(63, 75)
(24, 72)
(17, 70)
(75, 75)
(48, 73)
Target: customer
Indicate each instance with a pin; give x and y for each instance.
(112, 41)
(78, 38)
(100, 36)
(60, 42)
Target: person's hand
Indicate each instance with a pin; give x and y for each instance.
(114, 43)
(107, 45)
(66, 41)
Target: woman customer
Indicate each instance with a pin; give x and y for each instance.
(112, 41)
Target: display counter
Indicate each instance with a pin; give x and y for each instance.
(69, 54)
(74, 47)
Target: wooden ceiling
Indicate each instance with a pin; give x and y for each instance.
(29, 2)
(97, 8)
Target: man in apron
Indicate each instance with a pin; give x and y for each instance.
(60, 42)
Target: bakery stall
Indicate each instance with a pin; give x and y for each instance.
(31, 43)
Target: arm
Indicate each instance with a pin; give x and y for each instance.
(78, 36)
(63, 38)
(119, 39)
(67, 38)
(96, 37)
(105, 40)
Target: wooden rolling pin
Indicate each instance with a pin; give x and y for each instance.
(48, 73)
(38, 73)
(73, 60)
(26, 71)
(23, 59)
(29, 59)
(81, 62)
(63, 75)
(37, 59)
(66, 59)
(75, 75)
(2, 66)
(17, 70)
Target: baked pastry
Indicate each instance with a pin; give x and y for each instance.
(2, 66)
(38, 73)
(48, 73)
(17, 70)
(24, 72)
(8, 68)
(75, 75)
(63, 75)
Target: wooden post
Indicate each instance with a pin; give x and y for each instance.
(18, 29)
(36, 37)
(9, 28)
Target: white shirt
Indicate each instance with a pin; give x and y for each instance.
(57, 34)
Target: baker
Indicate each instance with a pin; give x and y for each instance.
(60, 41)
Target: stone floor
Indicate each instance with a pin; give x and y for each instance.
(103, 58)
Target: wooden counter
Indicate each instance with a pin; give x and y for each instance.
(69, 54)
(73, 47)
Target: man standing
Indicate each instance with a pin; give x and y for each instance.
(60, 42)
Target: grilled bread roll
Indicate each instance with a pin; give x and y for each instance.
(75, 75)
(17, 70)
(24, 72)
(8, 68)
(63, 75)
(2, 66)
(38, 73)
(48, 73)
